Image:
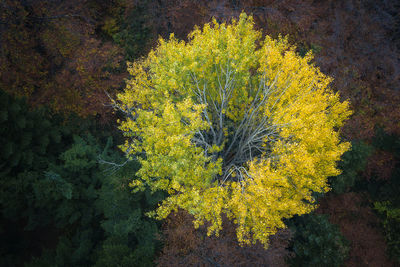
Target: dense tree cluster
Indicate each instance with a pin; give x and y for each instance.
(57, 195)
(66, 189)
(317, 242)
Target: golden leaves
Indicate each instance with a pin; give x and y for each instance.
(200, 105)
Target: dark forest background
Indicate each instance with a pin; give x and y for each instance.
(65, 198)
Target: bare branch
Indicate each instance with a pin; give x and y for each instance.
(113, 165)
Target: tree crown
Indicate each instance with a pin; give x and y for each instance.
(229, 123)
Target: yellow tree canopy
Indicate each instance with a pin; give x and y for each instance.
(230, 123)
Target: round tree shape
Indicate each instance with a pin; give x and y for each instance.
(231, 124)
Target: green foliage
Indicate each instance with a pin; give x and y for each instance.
(386, 193)
(115, 254)
(94, 202)
(391, 224)
(306, 48)
(386, 142)
(317, 242)
(65, 196)
(125, 226)
(130, 31)
(352, 163)
(27, 138)
(30, 141)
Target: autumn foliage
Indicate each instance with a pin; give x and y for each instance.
(186, 246)
(65, 198)
(231, 124)
(50, 55)
(359, 224)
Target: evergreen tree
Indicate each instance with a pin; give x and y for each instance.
(30, 141)
(352, 163)
(317, 242)
(80, 208)
(104, 220)
(126, 228)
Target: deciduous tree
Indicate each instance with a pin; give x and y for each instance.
(228, 123)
